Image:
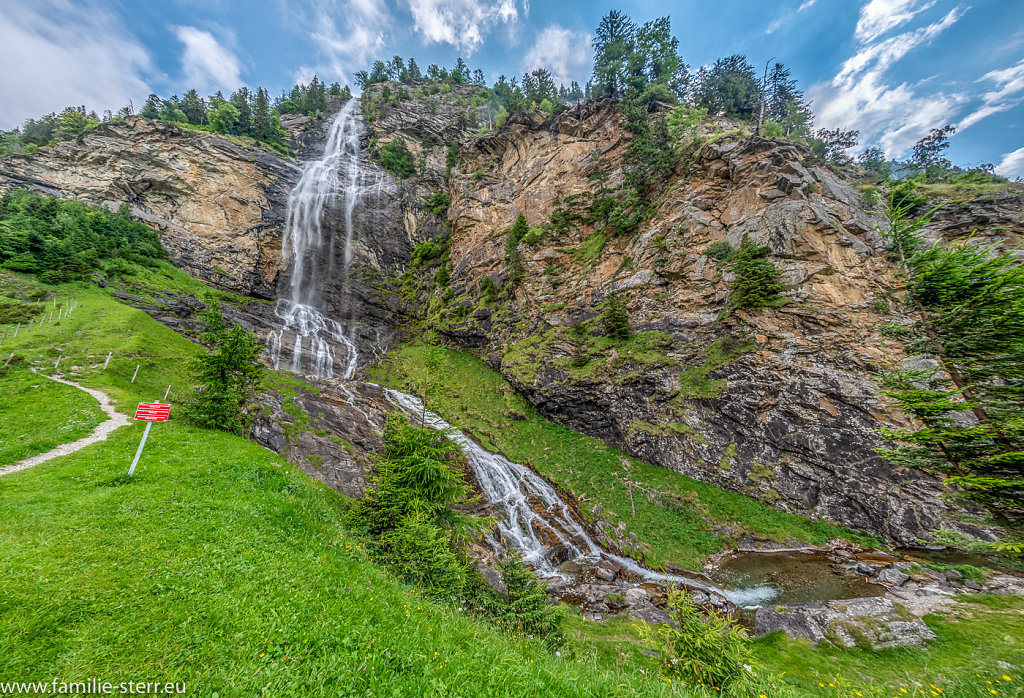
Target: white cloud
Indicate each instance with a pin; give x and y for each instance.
(788, 13)
(1009, 86)
(566, 53)
(894, 115)
(343, 51)
(206, 64)
(55, 54)
(880, 16)
(878, 57)
(461, 23)
(1012, 164)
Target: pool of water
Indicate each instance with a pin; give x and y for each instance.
(958, 557)
(786, 578)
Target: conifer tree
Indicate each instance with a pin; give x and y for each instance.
(262, 124)
(757, 280)
(970, 316)
(194, 108)
(614, 318)
(613, 43)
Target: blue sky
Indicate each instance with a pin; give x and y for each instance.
(891, 68)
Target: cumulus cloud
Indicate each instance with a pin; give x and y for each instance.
(880, 16)
(1012, 164)
(861, 97)
(461, 23)
(566, 53)
(344, 50)
(206, 64)
(1009, 84)
(57, 54)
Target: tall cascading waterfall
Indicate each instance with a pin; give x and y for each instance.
(535, 518)
(338, 174)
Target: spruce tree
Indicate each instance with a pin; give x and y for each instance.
(151, 109)
(194, 108)
(969, 303)
(613, 43)
(757, 280)
(614, 318)
(262, 125)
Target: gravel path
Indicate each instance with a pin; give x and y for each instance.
(115, 420)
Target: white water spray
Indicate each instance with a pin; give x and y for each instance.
(337, 174)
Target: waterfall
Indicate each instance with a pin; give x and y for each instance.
(338, 173)
(513, 487)
(534, 518)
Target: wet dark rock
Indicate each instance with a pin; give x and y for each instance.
(865, 570)
(334, 439)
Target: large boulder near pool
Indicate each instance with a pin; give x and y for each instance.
(870, 623)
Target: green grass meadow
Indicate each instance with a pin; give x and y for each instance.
(37, 414)
(222, 566)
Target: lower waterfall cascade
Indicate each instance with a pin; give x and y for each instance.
(316, 339)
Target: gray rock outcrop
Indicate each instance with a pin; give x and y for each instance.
(872, 623)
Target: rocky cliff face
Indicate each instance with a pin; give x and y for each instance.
(219, 205)
(778, 403)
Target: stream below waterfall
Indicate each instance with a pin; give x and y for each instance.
(532, 516)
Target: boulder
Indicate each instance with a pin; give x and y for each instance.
(893, 576)
(864, 569)
(872, 623)
(492, 578)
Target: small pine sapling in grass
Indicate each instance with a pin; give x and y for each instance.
(527, 609)
(710, 651)
(227, 375)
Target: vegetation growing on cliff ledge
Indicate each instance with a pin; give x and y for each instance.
(676, 522)
(757, 280)
(66, 240)
(397, 159)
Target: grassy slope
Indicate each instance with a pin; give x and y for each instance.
(219, 564)
(37, 414)
(102, 324)
(676, 524)
(219, 552)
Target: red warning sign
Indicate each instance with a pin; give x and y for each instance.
(152, 412)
